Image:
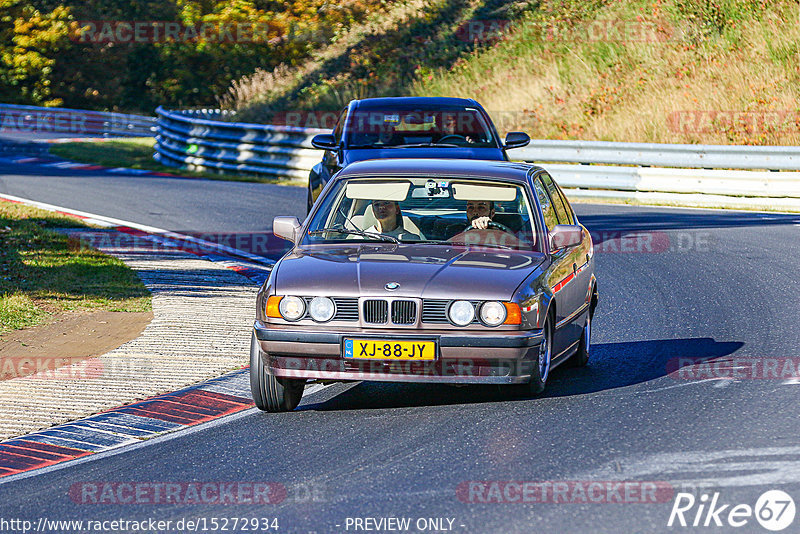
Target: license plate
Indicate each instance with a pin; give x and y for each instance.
(382, 349)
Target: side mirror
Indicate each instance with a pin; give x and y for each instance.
(324, 142)
(564, 236)
(517, 140)
(287, 228)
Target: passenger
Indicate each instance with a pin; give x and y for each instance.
(390, 220)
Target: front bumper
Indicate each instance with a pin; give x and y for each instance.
(493, 357)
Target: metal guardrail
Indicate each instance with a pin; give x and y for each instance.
(686, 187)
(778, 158)
(197, 139)
(654, 179)
(76, 122)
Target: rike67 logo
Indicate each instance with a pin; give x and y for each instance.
(774, 510)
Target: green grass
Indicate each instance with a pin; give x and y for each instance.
(43, 272)
(19, 311)
(137, 153)
(556, 74)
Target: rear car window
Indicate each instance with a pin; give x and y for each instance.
(564, 216)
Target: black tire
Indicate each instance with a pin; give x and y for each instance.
(581, 356)
(538, 375)
(270, 393)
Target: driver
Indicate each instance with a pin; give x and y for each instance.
(480, 213)
(387, 135)
(389, 220)
(450, 128)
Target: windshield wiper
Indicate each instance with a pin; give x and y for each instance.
(482, 245)
(380, 237)
(420, 145)
(461, 243)
(428, 241)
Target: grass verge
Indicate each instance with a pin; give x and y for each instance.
(664, 71)
(43, 272)
(137, 153)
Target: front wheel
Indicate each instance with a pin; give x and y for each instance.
(271, 393)
(541, 368)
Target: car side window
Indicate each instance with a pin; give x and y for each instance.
(549, 213)
(563, 215)
(337, 131)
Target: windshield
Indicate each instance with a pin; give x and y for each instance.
(422, 210)
(444, 126)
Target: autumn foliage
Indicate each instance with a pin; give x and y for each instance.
(83, 53)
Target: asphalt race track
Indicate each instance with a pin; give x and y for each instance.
(693, 284)
(178, 204)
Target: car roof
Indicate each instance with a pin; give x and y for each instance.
(440, 167)
(427, 101)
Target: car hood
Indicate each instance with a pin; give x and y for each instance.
(351, 156)
(426, 271)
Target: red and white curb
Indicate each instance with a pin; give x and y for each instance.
(128, 424)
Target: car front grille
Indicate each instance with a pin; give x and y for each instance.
(346, 309)
(376, 311)
(404, 312)
(435, 311)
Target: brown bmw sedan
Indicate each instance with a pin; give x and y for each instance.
(457, 271)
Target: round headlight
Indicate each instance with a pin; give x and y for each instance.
(493, 313)
(292, 308)
(321, 309)
(461, 312)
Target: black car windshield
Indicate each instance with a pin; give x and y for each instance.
(425, 211)
(444, 126)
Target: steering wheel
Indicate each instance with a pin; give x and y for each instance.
(492, 224)
(453, 137)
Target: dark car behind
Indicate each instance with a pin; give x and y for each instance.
(408, 127)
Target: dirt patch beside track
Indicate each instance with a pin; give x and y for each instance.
(71, 337)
